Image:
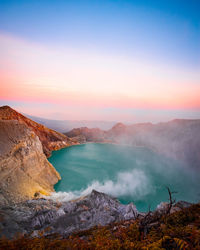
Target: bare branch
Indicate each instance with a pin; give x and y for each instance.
(172, 201)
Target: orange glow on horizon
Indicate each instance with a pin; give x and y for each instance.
(32, 73)
(26, 94)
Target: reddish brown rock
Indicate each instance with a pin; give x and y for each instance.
(24, 169)
(86, 134)
(50, 139)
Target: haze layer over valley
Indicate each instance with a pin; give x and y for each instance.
(177, 139)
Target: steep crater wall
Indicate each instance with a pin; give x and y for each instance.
(24, 169)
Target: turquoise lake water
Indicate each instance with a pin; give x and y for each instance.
(131, 174)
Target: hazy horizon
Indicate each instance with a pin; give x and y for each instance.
(159, 115)
(124, 61)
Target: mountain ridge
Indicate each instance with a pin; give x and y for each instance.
(50, 139)
(178, 139)
(67, 125)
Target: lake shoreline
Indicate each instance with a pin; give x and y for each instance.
(84, 168)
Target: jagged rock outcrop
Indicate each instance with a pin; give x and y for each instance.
(50, 139)
(94, 209)
(64, 218)
(24, 169)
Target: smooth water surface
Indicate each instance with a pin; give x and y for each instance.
(129, 173)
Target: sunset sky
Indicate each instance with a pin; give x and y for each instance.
(129, 61)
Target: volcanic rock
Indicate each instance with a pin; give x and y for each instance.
(50, 139)
(64, 217)
(24, 169)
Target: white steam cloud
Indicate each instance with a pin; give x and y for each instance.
(134, 184)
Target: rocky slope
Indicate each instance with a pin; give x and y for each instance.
(177, 139)
(50, 139)
(24, 169)
(96, 209)
(155, 230)
(63, 218)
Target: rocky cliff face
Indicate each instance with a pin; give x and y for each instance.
(24, 169)
(50, 139)
(64, 218)
(52, 217)
(178, 139)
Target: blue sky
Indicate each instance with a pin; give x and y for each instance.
(157, 29)
(162, 33)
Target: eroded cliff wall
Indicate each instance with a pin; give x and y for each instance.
(24, 169)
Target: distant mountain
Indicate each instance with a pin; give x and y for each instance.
(85, 134)
(178, 139)
(67, 125)
(50, 139)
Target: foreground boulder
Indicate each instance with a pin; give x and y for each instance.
(24, 169)
(94, 209)
(32, 216)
